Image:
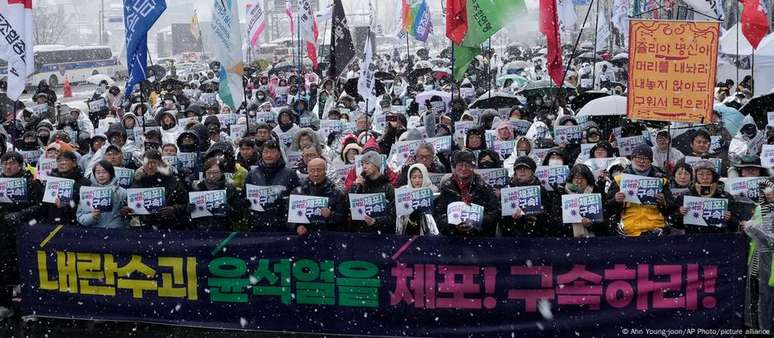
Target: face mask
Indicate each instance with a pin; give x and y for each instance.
(555, 162)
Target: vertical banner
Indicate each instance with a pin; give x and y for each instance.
(256, 22)
(227, 36)
(139, 16)
(16, 43)
(672, 69)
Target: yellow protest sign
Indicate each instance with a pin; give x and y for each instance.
(672, 68)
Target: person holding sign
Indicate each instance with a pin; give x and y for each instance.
(226, 215)
(153, 174)
(334, 216)
(426, 156)
(62, 212)
(104, 175)
(372, 181)
(20, 208)
(638, 219)
(419, 222)
(707, 185)
(522, 223)
(581, 181)
(464, 185)
(271, 170)
(700, 147)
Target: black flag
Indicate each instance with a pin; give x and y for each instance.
(342, 49)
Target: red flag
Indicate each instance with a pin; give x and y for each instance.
(755, 24)
(549, 26)
(456, 20)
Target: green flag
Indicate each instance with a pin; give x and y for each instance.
(485, 18)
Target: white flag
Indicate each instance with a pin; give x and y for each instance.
(16, 43)
(228, 50)
(603, 30)
(621, 18)
(367, 82)
(566, 12)
(711, 8)
(308, 29)
(325, 14)
(256, 22)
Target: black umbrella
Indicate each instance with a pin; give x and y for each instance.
(584, 97)
(758, 107)
(415, 73)
(495, 101)
(543, 87)
(384, 75)
(351, 88)
(156, 70)
(172, 83)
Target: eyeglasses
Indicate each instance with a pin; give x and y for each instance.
(641, 158)
(213, 173)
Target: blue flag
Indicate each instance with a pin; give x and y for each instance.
(139, 16)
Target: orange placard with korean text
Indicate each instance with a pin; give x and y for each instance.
(672, 68)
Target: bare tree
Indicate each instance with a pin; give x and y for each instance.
(51, 25)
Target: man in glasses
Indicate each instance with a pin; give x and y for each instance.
(639, 219)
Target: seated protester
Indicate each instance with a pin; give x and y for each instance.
(418, 223)
(19, 212)
(115, 157)
(286, 128)
(306, 118)
(592, 134)
(370, 146)
(475, 140)
(309, 153)
(271, 170)
(464, 185)
(214, 131)
(748, 141)
(504, 131)
(248, 153)
(225, 153)
(748, 166)
(62, 212)
(306, 137)
(95, 143)
(169, 149)
(700, 147)
(424, 155)
(519, 224)
(488, 159)
(555, 156)
(372, 181)
(396, 126)
(129, 121)
(225, 217)
(333, 217)
(153, 140)
(153, 174)
(168, 123)
(104, 175)
(664, 155)
(116, 135)
(262, 134)
(523, 147)
(348, 154)
(679, 184)
(188, 142)
(636, 219)
(581, 181)
(707, 185)
(571, 149)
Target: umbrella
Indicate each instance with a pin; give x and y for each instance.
(588, 56)
(516, 65)
(541, 87)
(440, 62)
(585, 97)
(423, 64)
(758, 107)
(174, 83)
(425, 96)
(732, 118)
(586, 45)
(543, 51)
(621, 56)
(604, 106)
(495, 101)
(417, 72)
(518, 80)
(283, 66)
(384, 76)
(156, 71)
(97, 78)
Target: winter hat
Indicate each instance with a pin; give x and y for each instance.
(463, 156)
(749, 161)
(706, 165)
(643, 150)
(525, 161)
(373, 158)
(410, 135)
(371, 144)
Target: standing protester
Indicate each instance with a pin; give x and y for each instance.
(153, 174)
(334, 216)
(372, 181)
(271, 171)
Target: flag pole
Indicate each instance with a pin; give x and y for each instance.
(408, 52)
(577, 40)
(594, 66)
(752, 73)
(736, 59)
(489, 69)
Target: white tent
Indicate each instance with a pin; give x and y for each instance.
(728, 42)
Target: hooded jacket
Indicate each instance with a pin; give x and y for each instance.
(419, 223)
(384, 224)
(636, 218)
(106, 220)
(225, 218)
(168, 133)
(743, 144)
